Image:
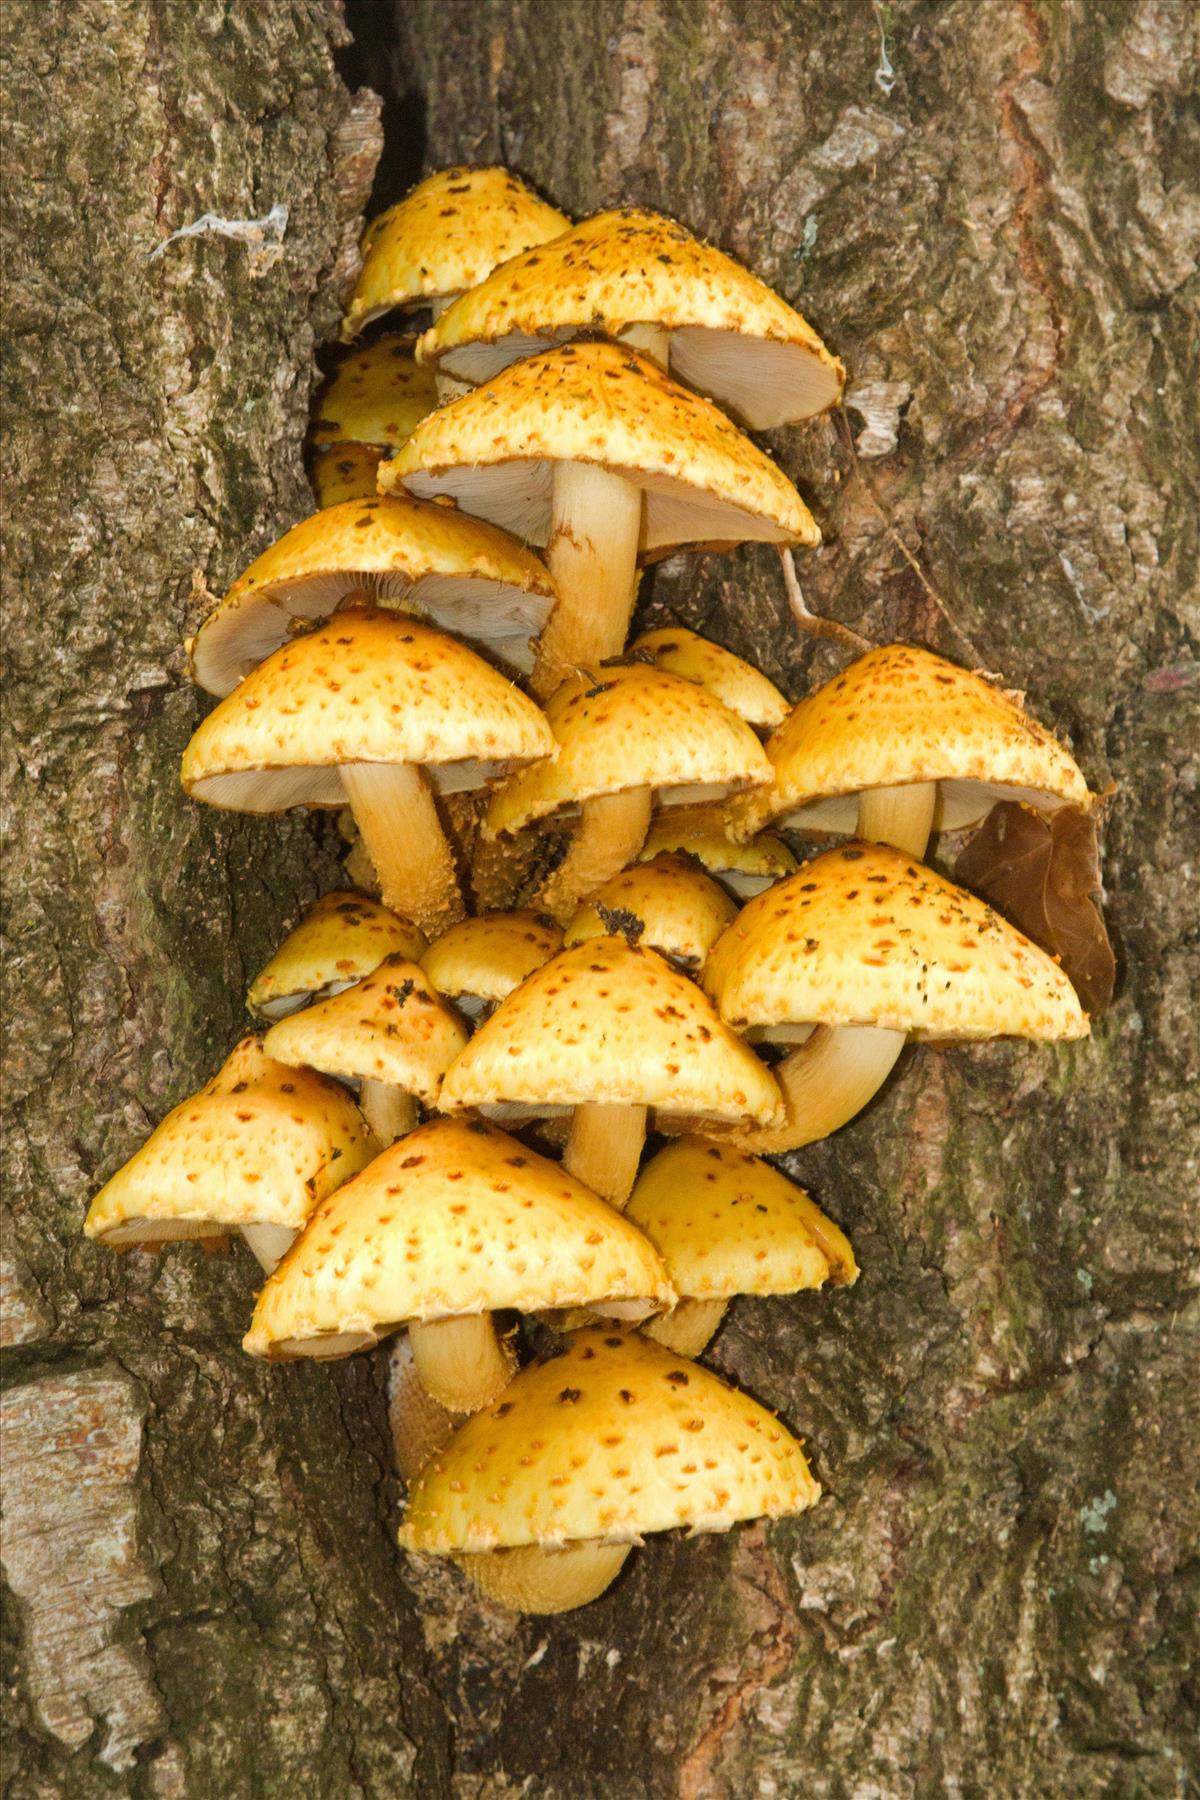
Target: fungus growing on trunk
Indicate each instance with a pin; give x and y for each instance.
(669, 905)
(736, 683)
(338, 941)
(742, 868)
(479, 962)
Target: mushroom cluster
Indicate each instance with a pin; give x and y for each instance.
(579, 931)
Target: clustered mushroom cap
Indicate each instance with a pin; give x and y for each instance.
(403, 553)
(445, 237)
(900, 715)
(338, 941)
(375, 396)
(494, 451)
(704, 832)
(615, 1438)
(735, 682)
(482, 960)
(342, 472)
(606, 1022)
(727, 1223)
(863, 935)
(669, 905)
(366, 687)
(391, 1027)
(455, 1219)
(625, 727)
(730, 335)
(261, 1144)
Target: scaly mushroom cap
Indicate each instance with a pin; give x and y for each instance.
(900, 715)
(613, 1439)
(704, 832)
(446, 235)
(738, 684)
(494, 451)
(609, 1023)
(668, 905)
(453, 1220)
(342, 472)
(391, 1027)
(730, 336)
(376, 396)
(727, 1223)
(366, 687)
(338, 941)
(261, 1144)
(480, 961)
(863, 935)
(626, 727)
(465, 575)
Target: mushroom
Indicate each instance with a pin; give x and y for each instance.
(592, 451)
(870, 947)
(624, 734)
(354, 711)
(254, 1151)
(338, 941)
(480, 961)
(456, 1222)
(344, 472)
(735, 682)
(742, 868)
(902, 743)
(669, 905)
(727, 1223)
(541, 1497)
(390, 1031)
(645, 279)
(375, 396)
(402, 555)
(610, 1029)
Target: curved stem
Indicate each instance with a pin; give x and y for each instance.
(270, 1243)
(460, 1361)
(604, 1148)
(388, 1110)
(825, 1083)
(595, 525)
(690, 1327)
(403, 836)
(612, 830)
(533, 1580)
(420, 1426)
(900, 816)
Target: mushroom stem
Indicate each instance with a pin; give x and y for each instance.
(403, 836)
(460, 1361)
(270, 1243)
(825, 1083)
(533, 1580)
(500, 868)
(612, 830)
(690, 1327)
(595, 524)
(447, 386)
(420, 1427)
(652, 340)
(388, 1110)
(900, 816)
(604, 1148)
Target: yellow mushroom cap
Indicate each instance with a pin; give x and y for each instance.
(742, 688)
(614, 1438)
(864, 935)
(366, 687)
(341, 472)
(727, 1223)
(446, 235)
(900, 714)
(390, 1027)
(375, 396)
(261, 1144)
(494, 449)
(705, 832)
(626, 727)
(338, 941)
(730, 336)
(456, 1218)
(668, 905)
(610, 1023)
(479, 961)
(465, 575)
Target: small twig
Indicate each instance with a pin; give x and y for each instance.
(810, 622)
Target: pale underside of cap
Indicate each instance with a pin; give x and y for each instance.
(485, 958)
(338, 941)
(669, 905)
(735, 682)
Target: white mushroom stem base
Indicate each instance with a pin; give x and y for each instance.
(533, 1580)
(420, 1427)
(461, 1362)
(900, 816)
(388, 1110)
(612, 829)
(403, 836)
(595, 525)
(270, 1243)
(690, 1328)
(604, 1147)
(826, 1082)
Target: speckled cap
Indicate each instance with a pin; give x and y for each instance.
(260, 1145)
(608, 1022)
(735, 682)
(494, 450)
(374, 396)
(338, 941)
(729, 335)
(481, 960)
(340, 472)
(898, 715)
(390, 1027)
(446, 235)
(863, 935)
(455, 1219)
(416, 558)
(366, 687)
(624, 727)
(669, 905)
(727, 1223)
(743, 868)
(615, 1438)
